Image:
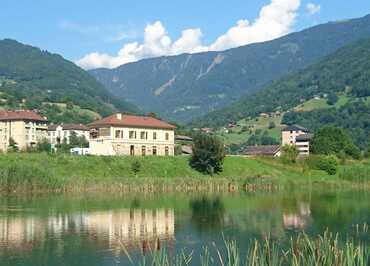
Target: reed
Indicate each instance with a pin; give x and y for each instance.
(326, 249)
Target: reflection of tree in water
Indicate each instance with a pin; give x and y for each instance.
(207, 214)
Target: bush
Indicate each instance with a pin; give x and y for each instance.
(135, 167)
(289, 154)
(328, 164)
(208, 154)
(272, 125)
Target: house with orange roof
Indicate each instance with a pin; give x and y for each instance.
(26, 128)
(121, 134)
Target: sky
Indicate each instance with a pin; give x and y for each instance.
(109, 33)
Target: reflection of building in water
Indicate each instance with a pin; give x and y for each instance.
(131, 228)
(298, 220)
(19, 233)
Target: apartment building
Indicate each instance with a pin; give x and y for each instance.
(298, 136)
(121, 134)
(58, 133)
(26, 128)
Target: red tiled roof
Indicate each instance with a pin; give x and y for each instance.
(20, 115)
(131, 121)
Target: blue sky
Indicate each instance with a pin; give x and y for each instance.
(97, 31)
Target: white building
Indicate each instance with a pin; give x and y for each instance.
(58, 133)
(299, 137)
(121, 134)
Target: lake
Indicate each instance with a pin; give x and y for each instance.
(113, 229)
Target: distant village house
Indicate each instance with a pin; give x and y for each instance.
(25, 128)
(264, 150)
(62, 133)
(298, 136)
(121, 134)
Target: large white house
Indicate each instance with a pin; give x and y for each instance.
(121, 134)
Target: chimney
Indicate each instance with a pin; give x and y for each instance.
(119, 116)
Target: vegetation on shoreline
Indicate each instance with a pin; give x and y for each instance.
(326, 249)
(62, 172)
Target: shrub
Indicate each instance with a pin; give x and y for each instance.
(289, 154)
(135, 167)
(272, 125)
(328, 164)
(208, 154)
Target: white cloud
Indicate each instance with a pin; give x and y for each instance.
(312, 8)
(275, 19)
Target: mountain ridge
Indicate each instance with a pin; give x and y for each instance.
(189, 85)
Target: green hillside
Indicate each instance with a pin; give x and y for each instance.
(187, 86)
(30, 78)
(343, 76)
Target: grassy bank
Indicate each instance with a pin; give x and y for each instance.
(37, 171)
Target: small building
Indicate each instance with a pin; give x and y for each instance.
(263, 150)
(58, 133)
(298, 136)
(80, 151)
(26, 128)
(121, 134)
(186, 144)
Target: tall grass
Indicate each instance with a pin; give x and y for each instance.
(355, 173)
(303, 250)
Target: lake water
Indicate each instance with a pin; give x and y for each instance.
(103, 229)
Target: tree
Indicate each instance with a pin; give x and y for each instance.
(332, 99)
(208, 154)
(13, 146)
(333, 141)
(272, 125)
(77, 141)
(289, 154)
(43, 146)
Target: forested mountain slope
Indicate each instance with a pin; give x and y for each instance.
(345, 72)
(35, 79)
(187, 86)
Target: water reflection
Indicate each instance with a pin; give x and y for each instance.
(207, 214)
(103, 229)
(298, 219)
(116, 230)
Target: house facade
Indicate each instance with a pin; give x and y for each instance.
(58, 133)
(121, 134)
(298, 136)
(26, 128)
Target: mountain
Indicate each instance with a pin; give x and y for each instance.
(344, 74)
(35, 79)
(188, 86)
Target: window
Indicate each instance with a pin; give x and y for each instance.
(119, 134)
(132, 134)
(132, 150)
(154, 135)
(166, 151)
(143, 150)
(143, 135)
(167, 136)
(154, 150)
